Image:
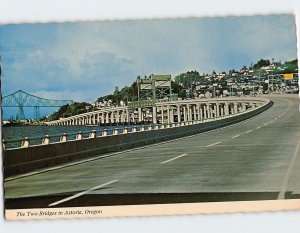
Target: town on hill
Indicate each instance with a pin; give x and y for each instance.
(260, 78)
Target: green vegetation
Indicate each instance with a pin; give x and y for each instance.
(189, 77)
(70, 110)
(126, 94)
(261, 63)
(183, 84)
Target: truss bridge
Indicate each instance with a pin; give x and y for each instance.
(21, 99)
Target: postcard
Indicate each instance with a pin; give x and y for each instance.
(150, 117)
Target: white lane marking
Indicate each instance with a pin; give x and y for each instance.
(82, 193)
(258, 127)
(169, 160)
(288, 172)
(213, 144)
(236, 136)
(249, 131)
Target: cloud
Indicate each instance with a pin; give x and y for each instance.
(85, 60)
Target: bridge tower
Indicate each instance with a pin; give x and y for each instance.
(153, 88)
(20, 115)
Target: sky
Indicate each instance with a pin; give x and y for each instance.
(85, 60)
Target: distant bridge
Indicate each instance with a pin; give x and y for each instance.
(21, 99)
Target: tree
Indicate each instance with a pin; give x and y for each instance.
(261, 63)
(69, 110)
(188, 78)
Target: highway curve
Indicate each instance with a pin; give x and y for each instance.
(257, 159)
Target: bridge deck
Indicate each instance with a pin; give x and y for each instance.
(255, 159)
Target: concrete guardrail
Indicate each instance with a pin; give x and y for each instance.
(29, 158)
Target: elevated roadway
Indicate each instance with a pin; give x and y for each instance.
(253, 160)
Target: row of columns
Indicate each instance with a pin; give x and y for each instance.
(107, 117)
(167, 113)
(198, 111)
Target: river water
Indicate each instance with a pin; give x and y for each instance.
(13, 135)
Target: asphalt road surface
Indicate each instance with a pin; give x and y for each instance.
(257, 159)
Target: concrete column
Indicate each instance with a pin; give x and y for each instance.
(162, 115)
(132, 116)
(118, 116)
(217, 110)
(244, 107)
(235, 107)
(154, 115)
(198, 112)
(226, 109)
(112, 117)
(127, 115)
(171, 115)
(195, 112)
(168, 114)
(189, 113)
(95, 116)
(211, 110)
(204, 111)
(208, 110)
(222, 110)
(102, 117)
(98, 119)
(123, 116)
(106, 118)
(140, 114)
(214, 110)
(184, 113)
(178, 113)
